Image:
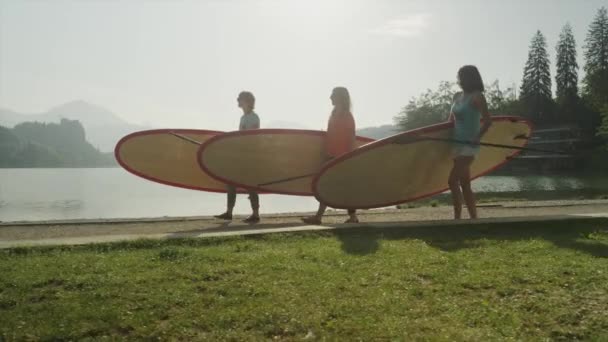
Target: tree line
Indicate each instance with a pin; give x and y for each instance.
(584, 107)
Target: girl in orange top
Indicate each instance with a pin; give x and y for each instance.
(340, 139)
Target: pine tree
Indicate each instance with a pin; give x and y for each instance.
(602, 130)
(596, 61)
(566, 78)
(535, 91)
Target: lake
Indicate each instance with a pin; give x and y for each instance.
(46, 194)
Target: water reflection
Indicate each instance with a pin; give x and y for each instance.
(533, 183)
(43, 194)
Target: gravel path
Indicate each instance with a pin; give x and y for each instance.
(89, 228)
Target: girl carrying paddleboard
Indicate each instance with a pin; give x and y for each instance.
(340, 139)
(469, 107)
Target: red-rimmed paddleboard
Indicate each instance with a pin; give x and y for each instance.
(166, 156)
(281, 161)
(386, 173)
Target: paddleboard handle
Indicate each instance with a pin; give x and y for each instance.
(183, 137)
(412, 139)
(287, 179)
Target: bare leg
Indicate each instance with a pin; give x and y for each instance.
(318, 216)
(321, 211)
(465, 183)
(352, 216)
(454, 184)
(254, 198)
(231, 201)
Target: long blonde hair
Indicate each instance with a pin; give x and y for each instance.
(342, 97)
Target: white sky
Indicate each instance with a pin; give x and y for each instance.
(182, 63)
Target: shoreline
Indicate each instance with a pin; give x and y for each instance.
(91, 230)
(482, 204)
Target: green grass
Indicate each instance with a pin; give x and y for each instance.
(491, 282)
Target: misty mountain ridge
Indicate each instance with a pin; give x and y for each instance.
(82, 111)
(37, 144)
(103, 128)
(377, 132)
(284, 125)
(86, 113)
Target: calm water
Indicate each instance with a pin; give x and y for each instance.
(43, 194)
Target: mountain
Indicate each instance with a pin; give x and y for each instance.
(84, 112)
(63, 144)
(378, 132)
(103, 128)
(284, 125)
(8, 118)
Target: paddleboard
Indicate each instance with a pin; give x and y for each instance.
(405, 168)
(281, 161)
(167, 156)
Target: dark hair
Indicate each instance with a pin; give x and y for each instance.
(469, 79)
(342, 96)
(248, 97)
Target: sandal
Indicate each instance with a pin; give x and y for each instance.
(224, 216)
(252, 219)
(352, 220)
(311, 220)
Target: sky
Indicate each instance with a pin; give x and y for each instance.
(182, 63)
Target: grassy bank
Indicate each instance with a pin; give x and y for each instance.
(520, 281)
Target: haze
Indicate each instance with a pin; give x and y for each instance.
(182, 63)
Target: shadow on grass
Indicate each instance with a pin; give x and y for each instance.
(585, 235)
(230, 227)
(359, 241)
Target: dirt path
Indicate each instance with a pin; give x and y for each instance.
(90, 228)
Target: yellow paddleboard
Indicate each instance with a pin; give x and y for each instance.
(405, 168)
(167, 156)
(280, 161)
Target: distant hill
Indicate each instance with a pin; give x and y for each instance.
(378, 132)
(284, 124)
(63, 144)
(103, 128)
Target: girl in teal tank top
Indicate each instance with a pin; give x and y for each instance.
(469, 108)
(466, 124)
